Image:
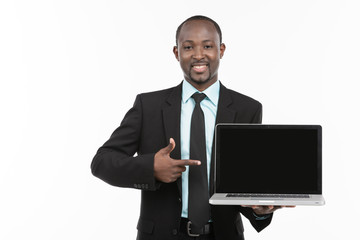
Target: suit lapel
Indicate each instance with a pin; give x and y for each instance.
(171, 119)
(172, 116)
(224, 115)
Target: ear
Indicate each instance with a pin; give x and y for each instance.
(176, 52)
(222, 50)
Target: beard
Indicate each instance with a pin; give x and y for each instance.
(201, 80)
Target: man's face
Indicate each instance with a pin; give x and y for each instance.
(199, 52)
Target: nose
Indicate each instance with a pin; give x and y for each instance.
(198, 53)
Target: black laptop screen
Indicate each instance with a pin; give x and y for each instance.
(268, 159)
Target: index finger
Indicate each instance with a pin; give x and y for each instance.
(188, 162)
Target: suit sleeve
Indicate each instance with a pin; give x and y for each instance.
(249, 212)
(257, 118)
(257, 224)
(115, 162)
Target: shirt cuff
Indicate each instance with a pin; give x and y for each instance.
(262, 217)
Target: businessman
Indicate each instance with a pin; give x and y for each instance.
(172, 132)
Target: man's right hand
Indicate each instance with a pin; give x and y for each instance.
(167, 169)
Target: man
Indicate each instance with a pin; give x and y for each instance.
(159, 129)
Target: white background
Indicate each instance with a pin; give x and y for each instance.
(70, 70)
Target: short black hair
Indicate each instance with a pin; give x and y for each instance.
(199, 17)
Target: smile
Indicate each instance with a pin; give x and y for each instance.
(199, 68)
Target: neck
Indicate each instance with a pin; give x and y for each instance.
(202, 86)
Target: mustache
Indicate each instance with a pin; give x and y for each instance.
(199, 63)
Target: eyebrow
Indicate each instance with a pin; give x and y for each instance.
(190, 41)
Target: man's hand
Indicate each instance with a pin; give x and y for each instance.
(167, 169)
(262, 210)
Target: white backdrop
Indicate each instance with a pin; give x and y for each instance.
(70, 70)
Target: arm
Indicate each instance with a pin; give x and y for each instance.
(257, 118)
(258, 219)
(258, 223)
(259, 216)
(115, 163)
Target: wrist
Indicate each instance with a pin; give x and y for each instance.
(261, 216)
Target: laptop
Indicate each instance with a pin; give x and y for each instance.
(258, 164)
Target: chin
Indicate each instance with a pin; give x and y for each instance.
(200, 81)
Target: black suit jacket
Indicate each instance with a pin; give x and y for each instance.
(145, 129)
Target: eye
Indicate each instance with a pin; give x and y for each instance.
(207, 46)
(187, 47)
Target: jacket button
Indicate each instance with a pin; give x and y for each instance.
(174, 232)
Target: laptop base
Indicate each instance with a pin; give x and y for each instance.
(222, 199)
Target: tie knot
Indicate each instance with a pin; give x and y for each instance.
(198, 97)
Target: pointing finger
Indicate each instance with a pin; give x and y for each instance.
(188, 162)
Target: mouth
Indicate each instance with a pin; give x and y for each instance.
(199, 68)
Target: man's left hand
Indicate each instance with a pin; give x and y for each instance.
(262, 210)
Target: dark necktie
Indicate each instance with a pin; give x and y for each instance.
(199, 210)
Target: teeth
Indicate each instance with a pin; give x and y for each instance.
(198, 67)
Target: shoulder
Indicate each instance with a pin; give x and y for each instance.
(241, 99)
(164, 93)
(158, 98)
(247, 109)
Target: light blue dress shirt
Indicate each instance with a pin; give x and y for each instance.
(209, 107)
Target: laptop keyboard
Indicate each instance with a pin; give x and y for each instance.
(267, 195)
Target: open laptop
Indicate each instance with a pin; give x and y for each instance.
(258, 164)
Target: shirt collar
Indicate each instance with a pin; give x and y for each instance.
(212, 92)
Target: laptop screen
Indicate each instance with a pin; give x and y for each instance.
(283, 159)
